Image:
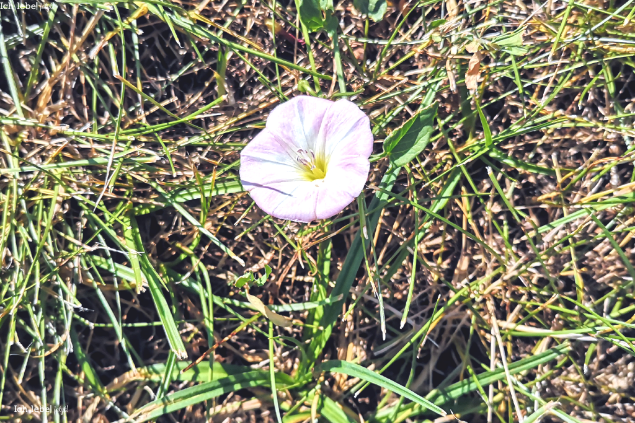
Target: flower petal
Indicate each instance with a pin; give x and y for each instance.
(294, 200)
(342, 184)
(265, 161)
(346, 131)
(297, 122)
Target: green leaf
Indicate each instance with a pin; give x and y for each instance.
(407, 141)
(437, 23)
(130, 242)
(305, 88)
(618, 249)
(375, 9)
(355, 370)
(75, 163)
(512, 43)
(127, 275)
(246, 278)
(263, 279)
(454, 391)
(581, 213)
(443, 197)
(221, 187)
(190, 27)
(516, 51)
(457, 390)
(486, 129)
(311, 14)
(195, 222)
(331, 25)
(318, 294)
(9, 76)
(512, 39)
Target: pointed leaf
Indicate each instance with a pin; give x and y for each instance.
(407, 141)
(246, 278)
(311, 14)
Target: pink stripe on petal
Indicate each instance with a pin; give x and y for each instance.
(254, 170)
(297, 122)
(263, 162)
(267, 146)
(346, 131)
(287, 200)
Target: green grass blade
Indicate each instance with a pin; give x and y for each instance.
(90, 376)
(457, 390)
(201, 32)
(231, 186)
(196, 223)
(199, 393)
(272, 374)
(155, 283)
(355, 370)
(9, 76)
(349, 269)
(332, 412)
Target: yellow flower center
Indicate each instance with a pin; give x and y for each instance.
(313, 167)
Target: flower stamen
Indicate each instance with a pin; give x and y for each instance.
(305, 159)
(313, 167)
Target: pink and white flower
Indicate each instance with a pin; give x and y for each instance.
(310, 161)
